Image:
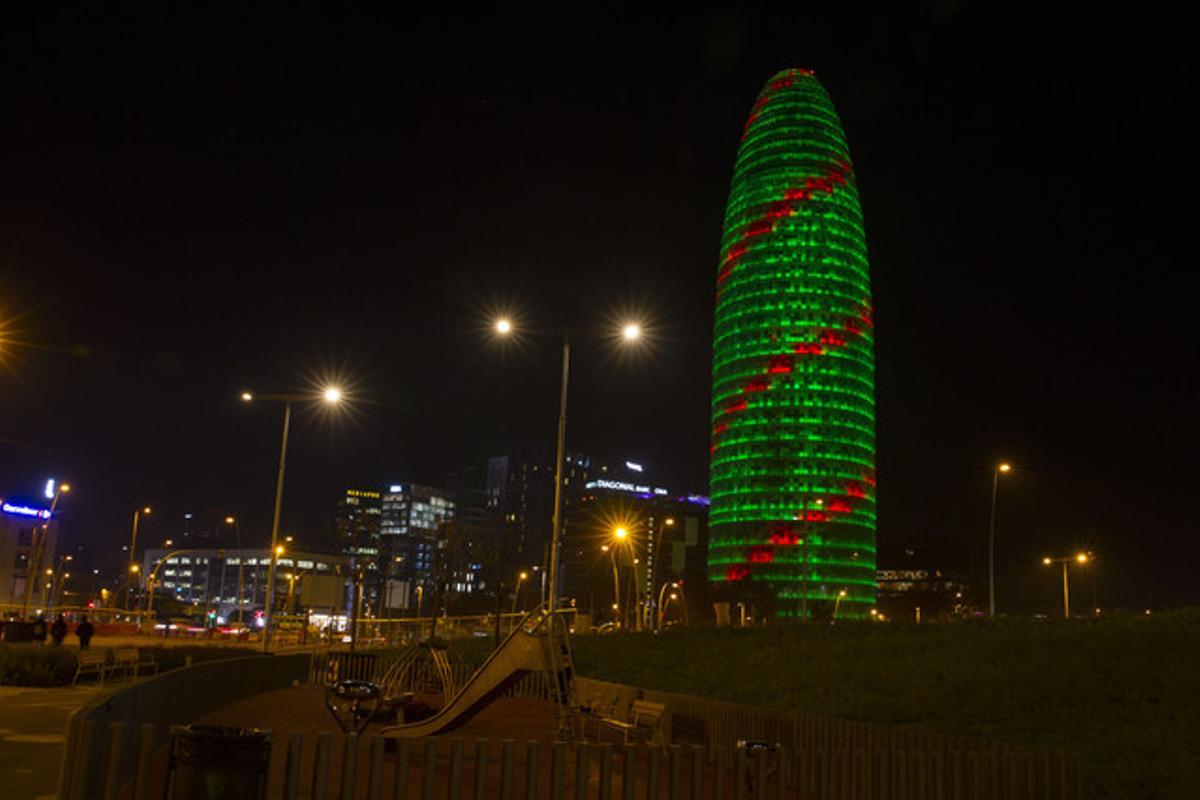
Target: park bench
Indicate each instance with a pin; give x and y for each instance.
(129, 661)
(91, 662)
(644, 722)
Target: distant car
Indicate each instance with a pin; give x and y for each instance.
(608, 627)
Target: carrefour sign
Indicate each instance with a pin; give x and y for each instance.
(25, 511)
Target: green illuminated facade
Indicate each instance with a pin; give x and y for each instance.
(793, 404)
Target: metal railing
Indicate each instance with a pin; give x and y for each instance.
(349, 767)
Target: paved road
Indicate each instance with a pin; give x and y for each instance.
(33, 724)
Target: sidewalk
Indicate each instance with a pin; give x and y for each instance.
(33, 725)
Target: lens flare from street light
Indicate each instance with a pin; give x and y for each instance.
(230, 520)
(631, 331)
(670, 520)
(1046, 560)
(247, 397)
(503, 326)
(332, 395)
(146, 509)
(621, 532)
(66, 487)
(1082, 558)
(1005, 467)
(524, 576)
(279, 550)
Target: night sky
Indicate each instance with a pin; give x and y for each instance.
(195, 205)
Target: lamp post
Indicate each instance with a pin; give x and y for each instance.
(1000, 468)
(521, 578)
(1078, 558)
(138, 513)
(837, 604)
(504, 327)
(37, 544)
(655, 556)
(237, 533)
(61, 580)
(330, 395)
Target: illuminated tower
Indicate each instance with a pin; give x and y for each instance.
(793, 403)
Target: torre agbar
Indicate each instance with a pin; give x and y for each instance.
(793, 405)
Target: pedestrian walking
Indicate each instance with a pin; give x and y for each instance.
(39, 629)
(84, 631)
(58, 631)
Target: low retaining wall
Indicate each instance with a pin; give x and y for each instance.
(109, 725)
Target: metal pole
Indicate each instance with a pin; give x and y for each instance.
(556, 528)
(267, 606)
(992, 546)
(137, 514)
(237, 531)
(1066, 593)
(612, 552)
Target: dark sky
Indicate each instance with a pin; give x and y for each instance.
(192, 205)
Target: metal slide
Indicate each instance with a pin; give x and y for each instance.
(535, 645)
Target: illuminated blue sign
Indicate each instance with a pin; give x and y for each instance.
(25, 511)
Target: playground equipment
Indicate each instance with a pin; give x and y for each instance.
(540, 644)
(423, 674)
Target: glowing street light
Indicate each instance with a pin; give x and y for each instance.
(138, 513)
(1078, 558)
(504, 327)
(237, 533)
(1003, 468)
(837, 604)
(332, 395)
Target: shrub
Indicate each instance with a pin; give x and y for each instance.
(36, 665)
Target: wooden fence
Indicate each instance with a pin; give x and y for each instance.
(327, 767)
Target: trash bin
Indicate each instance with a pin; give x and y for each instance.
(216, 762)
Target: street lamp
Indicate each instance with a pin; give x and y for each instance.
(37, 544)
(620, 534)
(138, 513)
(1001, 468)
(504, 326)
(655, 557)
(331, 395)
(521, 578)
(237, 533)
(837, 604)
(1078, 558)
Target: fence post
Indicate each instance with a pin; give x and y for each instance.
(116, 753)
(582, 770)
(321, 766)
(349, 766)
(429, 771)
(146, 741)
(508, 753)
(400, 775)
(606, 756)
(85, 760)
(375, 770)
(652, 766)
(782, 759)
(628, 771)
(454, 789)
(718, 791)
(481, 765)
(291, 772)
(533, 771)
(697, 780)
(675, 785)
(558, 757)
(739, 773)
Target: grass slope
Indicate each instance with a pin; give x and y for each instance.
(1123, 691)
